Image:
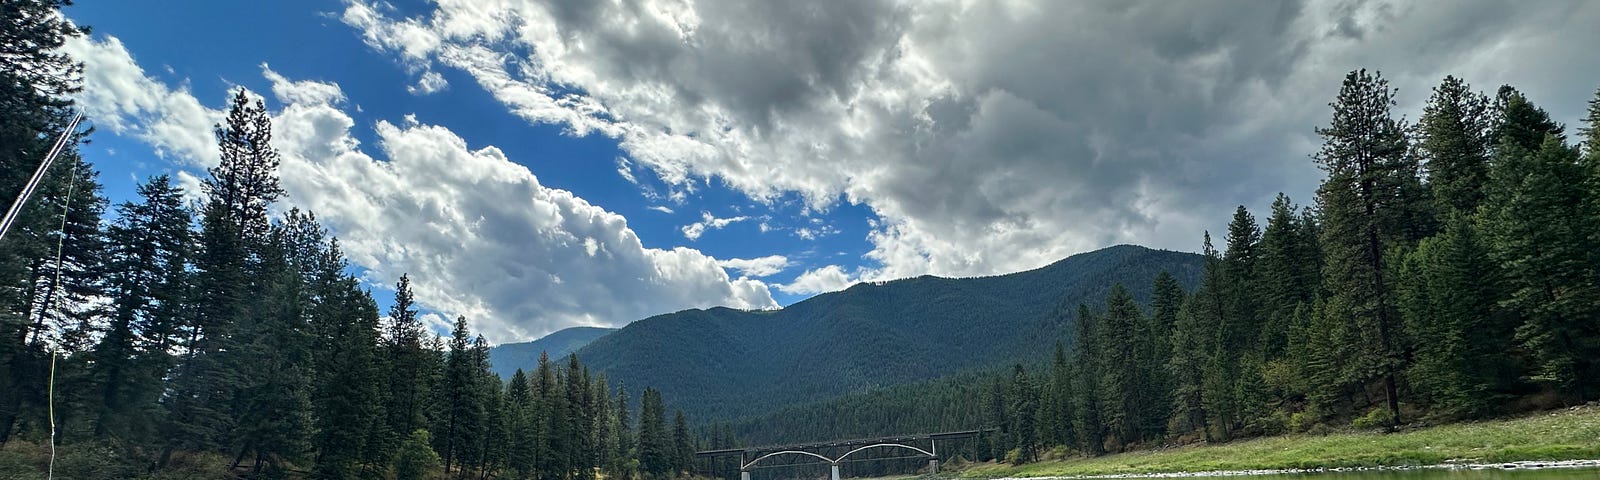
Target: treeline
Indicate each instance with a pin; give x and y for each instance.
(1448, 270)
(164, 335)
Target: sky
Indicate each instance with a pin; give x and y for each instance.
(541, 164)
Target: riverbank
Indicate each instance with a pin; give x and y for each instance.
(1547, 437)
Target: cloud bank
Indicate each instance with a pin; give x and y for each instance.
(478, 233)
(986, 137)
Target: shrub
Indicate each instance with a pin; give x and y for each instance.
(416, 460)
(1378, 417)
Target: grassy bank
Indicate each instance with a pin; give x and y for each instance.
(1563, 435)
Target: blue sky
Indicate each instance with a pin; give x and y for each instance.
(688, 154)
(305, 40)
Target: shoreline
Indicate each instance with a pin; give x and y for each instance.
(1508, 466)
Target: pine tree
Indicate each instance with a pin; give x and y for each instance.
(1086, 402)
(1217, 377)
(1367, 206)
(271, 398)
(408, 360)
(348, 401)
(147, 249)
(519, 406)
(1286, 274)
(1186, 367)
(234, 227)
(655, 450)
(1591, 134)
(682, 446)
(1238, 357)
(1022, 402)
(1155, 346)
(1454, 131)
(460, 399)
(1119, 375)
(1543, 230)
(1449, 289)
(1055, 406)
(626, 456)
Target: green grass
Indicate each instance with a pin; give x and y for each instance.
(1563, 435)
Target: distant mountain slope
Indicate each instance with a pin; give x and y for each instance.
(723, 364)
(506, 359)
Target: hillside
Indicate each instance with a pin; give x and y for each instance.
(505, 359)
(720, 363)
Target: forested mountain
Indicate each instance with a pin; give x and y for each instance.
(505, 359)
(722, 363)
(1448, 270)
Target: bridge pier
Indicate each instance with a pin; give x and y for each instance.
(933, 465)
(744, 475)
(835, 469)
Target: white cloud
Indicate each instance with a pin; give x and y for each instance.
(830, 278)
(661, 208)
(694, 230)
(118, 97)
(430, 82)
(478, 233)
(757, 267)
(987, 137)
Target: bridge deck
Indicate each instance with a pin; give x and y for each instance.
(855, 442)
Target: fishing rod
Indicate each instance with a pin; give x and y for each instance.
(38, 175)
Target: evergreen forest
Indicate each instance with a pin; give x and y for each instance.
(163, 337)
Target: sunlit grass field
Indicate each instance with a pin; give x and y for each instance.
(1562, 435)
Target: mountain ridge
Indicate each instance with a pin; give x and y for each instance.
(505, 359)
(721, 363)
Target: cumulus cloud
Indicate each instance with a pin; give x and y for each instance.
(707, 221)
(479, 234)
(118, 97)
(830, 278)
(985, 136)
(757, 267)
(430, 82)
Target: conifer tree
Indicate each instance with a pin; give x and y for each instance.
(1055, 406)
(36, 81)
(1239, 358)
(460, 399)
(1086, 402)
(1023, 404)
(1454, 140)
(1543, 232)
(682, 446)
(348, 400)
(1187, 366)
(409, 363)
(1449, 290)
(271, 406)
(1120, 372)
(1286, 274)
(655, 450)
(1155, 346)
(146, 255)
(233, 228)
(1367, 206)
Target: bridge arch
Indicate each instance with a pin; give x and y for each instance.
(886, 445)
(785, 452)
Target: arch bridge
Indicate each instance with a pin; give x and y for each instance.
(915, 446)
